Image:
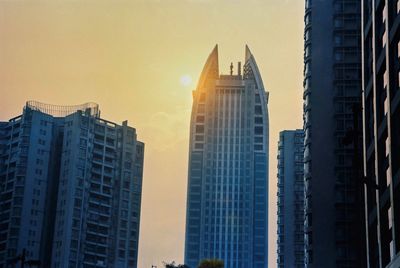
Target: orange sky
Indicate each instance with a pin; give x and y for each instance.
(129, 57)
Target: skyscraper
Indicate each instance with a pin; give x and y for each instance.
(227, 202)
(332, 86)
(381, 51)
(290, 199)
(70, 188)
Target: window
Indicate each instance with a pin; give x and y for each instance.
(200, 119)
(199, 146)
(258, 139)
(258, 120)
(338, 22)
(388, 176)
(257, 109)
(42, 142)
(125, 195)
(392, 254)
(199, 129)
(202, 97)
(338, 56)
(83, 142)
(199, 138)
(338, 39)
(384, 39)
(201, 108)
(258, 130)
(124, 214)
(384, 12)
(128, 164)
(258, 147)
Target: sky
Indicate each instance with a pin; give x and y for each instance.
(140, 60)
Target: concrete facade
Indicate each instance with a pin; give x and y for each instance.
(71, 188)
(381, 117)
(290, 242)
(334, 234)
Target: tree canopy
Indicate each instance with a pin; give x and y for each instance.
(173, 265)
(211, 263)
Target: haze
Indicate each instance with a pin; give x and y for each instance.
(140, 60)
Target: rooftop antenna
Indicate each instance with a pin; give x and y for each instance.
(231, 68)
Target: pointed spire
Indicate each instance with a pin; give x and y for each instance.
(215, 50)
(248, 53)
(251, 70)
(213, 58)
(211, 68)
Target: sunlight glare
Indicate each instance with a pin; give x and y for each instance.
(186, 80)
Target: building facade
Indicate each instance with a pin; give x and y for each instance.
(381, 68)
(334, 236)
(227, 202)
(290, 243)
(71, 188)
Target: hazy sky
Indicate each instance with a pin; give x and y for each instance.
(130, 56)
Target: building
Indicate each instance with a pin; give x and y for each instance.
(290, 243)
(71, 188)
(334, 234)
(227, 202)
(381, 52)
(29, 170)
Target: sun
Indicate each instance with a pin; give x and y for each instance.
(185, 80)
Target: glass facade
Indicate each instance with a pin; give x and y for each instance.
(227, 205)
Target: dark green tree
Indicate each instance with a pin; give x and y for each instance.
(173, 265)
(211, 263)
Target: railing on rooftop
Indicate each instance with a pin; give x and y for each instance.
(64, 110)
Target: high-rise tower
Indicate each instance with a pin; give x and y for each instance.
(381, 107)
(70, 188)
(290, 241)
(227, 202)
(332, 88)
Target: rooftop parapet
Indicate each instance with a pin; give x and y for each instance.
(90, 108)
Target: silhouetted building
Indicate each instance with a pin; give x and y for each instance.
(381, 68)
(70, 188)
(227, 203)
(290, 243)
(332, 86)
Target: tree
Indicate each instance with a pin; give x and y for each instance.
(211, 263)
(173, 265)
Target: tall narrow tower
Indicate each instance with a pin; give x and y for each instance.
(227, 202)
(334, 220)
(381, 116)
(290, 242)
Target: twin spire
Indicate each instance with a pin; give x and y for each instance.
(211, 68)
(213, 57)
